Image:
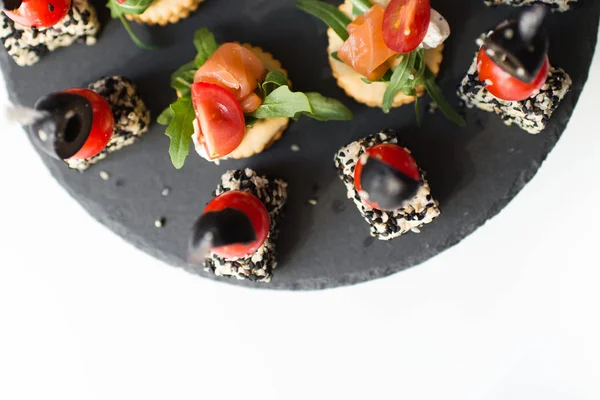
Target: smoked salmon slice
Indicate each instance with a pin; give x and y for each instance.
(236, 69)
(365, 50)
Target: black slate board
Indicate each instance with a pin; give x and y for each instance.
(474, 172)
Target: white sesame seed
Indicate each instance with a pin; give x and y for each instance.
(520, 71)
(166, 191)
(159, 223)
(104, 175)
(415, 230)
(490, 52)
(43, 135)
(295, 147)
(509, 34)
(312, 202)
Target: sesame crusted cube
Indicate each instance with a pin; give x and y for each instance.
(131, 117)
(385, 225)
(559, 5)
(27, 45)
(531, 114)
(257, 267)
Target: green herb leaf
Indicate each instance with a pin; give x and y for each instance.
(361, 6)
(205, 44)
(182, 79)
(283, 103)
(436, 95)
(327, 109)
(128, 7)
(250, 121)
(166, 116)
(180, 129)
(335, 56)
(329, 14)
(273, 80)
(399, 79)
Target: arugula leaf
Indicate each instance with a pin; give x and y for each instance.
(399, 79)
(328, 13)
(182, 79)
(250, 121)
(273, 80)
(205, 44)
(327, 109)
(436, 95)
(283, 103)
(180, 117)
(133, 7)
(336, 57)
(360, 6)
(385, 78)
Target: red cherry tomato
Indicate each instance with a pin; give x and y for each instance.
(40, 13)
(405, 24)
(505, 86)
(392, 155)
(220, 118)
(103, 124)
(256, 212)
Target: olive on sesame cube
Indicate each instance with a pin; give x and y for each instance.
(235, 235)
(387, 186)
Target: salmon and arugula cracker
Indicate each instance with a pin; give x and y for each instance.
(234, 101)
(558, 5)
(511, 74)
(385, 53)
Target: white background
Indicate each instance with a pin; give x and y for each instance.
(510, 313)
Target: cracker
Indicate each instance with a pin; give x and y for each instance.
(163, 12)
(372, 94)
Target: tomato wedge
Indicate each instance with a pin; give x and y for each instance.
(405, 24)
(392, 155)
(220, 119)
(40, 13)
(505, 86)
(103, 124)
(256, 212)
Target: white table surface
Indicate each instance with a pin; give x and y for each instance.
(509, 313)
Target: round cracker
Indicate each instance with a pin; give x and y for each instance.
(372, 94)
(265, 132)
(163, 12)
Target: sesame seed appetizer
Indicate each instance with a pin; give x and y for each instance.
(234, 101)
(235, 236)
(82, 126)
(512, 76)
(32, 28)
(385, 53)
(387, 186)
(559, 5)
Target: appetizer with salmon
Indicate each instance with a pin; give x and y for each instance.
(511, 74)
(558, 5)
(385, 53)
(235, 236)
(83, 125)
(387, 186)
(234, 101)
(32, 28)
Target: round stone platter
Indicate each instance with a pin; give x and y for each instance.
(473, 172)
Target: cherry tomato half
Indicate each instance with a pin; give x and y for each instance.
(220, 118)
(40, 13)
(505, 86)
(103, 124)
(256, 212)
(405, 24)
(392, 155)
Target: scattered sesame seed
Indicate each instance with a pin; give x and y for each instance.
(159, 223)
(43, 135)
(166, 191)
(509, 34)
(312, 202)
(295, 147)
(104, 175)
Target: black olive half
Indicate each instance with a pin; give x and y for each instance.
(386, 186)
(66, 126)
(10, 4)
(520, 46)
(219, 228)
